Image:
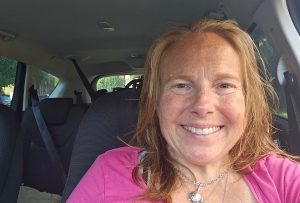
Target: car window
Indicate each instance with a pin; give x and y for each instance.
(294, 9)
(271, 59)
(7, 79)
(114, 82)
(45, 84)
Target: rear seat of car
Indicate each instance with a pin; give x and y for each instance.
(62, 118)
(110, 117)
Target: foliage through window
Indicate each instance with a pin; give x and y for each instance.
(45, 84)
(7, 79)
(111, 83)
(271, 59)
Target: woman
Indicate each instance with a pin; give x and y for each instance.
(204, 130)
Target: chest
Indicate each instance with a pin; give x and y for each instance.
(232, 191)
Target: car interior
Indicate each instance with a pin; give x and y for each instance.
(71, 73)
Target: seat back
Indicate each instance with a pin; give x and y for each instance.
(10, 155)
(111, 116)
(62, 118)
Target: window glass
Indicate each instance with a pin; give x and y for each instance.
(7, 79)
(271, 59)
(294, 10)
(111, 83)
(45, 84)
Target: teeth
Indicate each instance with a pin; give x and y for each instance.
(202, 131)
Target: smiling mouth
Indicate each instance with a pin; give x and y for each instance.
(202, 131)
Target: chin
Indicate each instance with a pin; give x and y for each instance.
(204, 158)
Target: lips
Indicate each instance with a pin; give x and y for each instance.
(202, 131)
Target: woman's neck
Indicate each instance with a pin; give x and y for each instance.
(203, 172)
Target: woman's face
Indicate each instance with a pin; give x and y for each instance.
(201, 108)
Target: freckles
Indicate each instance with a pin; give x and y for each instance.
(233, 100)
(171, 106)
(236, 105)
(233, 106)
(168, 100)
(164, 105)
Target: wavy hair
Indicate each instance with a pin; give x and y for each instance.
(256, 140)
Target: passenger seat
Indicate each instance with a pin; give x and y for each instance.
(62, 118)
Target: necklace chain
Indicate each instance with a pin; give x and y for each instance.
(201, 184)
(195, 196)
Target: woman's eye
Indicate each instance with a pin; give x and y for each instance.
(226, 85)
(226, 88)
(181, 88)
(181, 85)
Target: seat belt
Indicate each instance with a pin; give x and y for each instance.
(292, 101)
(46, 136)
(85, 81)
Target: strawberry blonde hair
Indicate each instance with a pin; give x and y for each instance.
(256, 140)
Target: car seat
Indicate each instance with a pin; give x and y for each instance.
(111, 116)
(10, 155)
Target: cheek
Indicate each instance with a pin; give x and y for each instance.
(233, 108)
(170, 106)
(169, 113)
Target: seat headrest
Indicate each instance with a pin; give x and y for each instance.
(55, 110)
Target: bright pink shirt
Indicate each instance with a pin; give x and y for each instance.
(109, 180)
(275, 179)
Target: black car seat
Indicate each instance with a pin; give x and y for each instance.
(111, 116)
(62, 118)
(10, 155)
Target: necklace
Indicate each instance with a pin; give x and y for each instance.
(225, 188)
(195, 196)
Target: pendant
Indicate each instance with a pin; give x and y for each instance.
(195, 197)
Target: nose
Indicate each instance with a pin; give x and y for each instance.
(202, 103)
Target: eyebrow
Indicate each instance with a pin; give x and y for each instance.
(223, 75)
(177, 77)
(217, 76)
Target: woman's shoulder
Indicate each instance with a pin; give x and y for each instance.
(272, 176)
(100, 183)
(121, 151)
(277, 164)
(119, 155)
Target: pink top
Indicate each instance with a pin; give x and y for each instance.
(109, 179)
